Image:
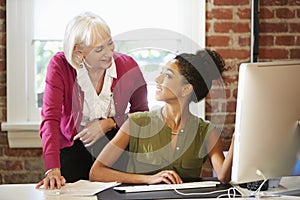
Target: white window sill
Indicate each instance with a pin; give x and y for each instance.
(22, 135)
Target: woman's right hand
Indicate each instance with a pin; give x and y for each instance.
(53, 180)
(93, 131)
(166, 176)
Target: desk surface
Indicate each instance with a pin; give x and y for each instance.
(28, 192)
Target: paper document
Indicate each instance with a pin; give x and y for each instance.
(157, 187)
(82, 188)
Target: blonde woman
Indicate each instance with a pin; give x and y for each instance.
(88, 88)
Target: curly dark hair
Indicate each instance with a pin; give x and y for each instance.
(200, 70)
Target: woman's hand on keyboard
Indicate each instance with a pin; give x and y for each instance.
(166, 176)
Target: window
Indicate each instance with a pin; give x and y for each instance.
(150, 29)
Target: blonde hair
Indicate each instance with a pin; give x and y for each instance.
(84, 30)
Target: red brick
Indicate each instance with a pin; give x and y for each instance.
(234, 53)
(266, 40)
(234, 93)
(295, 27)
(285, 13)
(2, 27)
(229, 27)
(265, 13)
(34, 164)
(14, 165)
(273, 2)
(230, 119)
(244, 13)
(221, 13)
(231, 2)
(2, 53)
(2, 14)
(298, 41)
(3, 39)
(3, 114)
(218, 93)
(294, 3)
(285, 40)
(273, 53)
(295, 53)
(2, 91)
(3, 141)
(11, 165)
(273, 27)
(231, 106)
(230, 80)
(244, 41)
(22, 177)
(212, 41)
(24, 152)
(2, 66)
(207, 27)
(2, 3)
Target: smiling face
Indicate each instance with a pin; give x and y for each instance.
(171, 86)
(99, 56)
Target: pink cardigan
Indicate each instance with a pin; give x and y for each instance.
(63, 102)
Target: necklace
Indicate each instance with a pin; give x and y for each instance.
(177, 133)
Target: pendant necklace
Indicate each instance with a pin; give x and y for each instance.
(177, 133)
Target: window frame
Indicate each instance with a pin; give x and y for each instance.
(22, 129)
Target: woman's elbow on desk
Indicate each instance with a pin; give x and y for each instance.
(224, 179)
(97, 171)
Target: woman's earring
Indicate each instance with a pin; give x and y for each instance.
(81, 65)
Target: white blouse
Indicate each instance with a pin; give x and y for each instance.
(97, 106)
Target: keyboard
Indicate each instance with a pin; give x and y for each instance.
(158, 187)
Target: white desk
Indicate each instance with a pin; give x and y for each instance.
(28, 192)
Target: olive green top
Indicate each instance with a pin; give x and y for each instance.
(150, 145)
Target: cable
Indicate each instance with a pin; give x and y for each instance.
(257, 191)
(213, 192)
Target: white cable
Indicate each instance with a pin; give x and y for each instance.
(212, 192)
(257, 191)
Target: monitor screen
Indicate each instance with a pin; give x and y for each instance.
(267, 133)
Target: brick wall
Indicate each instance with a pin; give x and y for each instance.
(227, 31)
(228, 27)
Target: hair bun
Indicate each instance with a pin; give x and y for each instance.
(200, 70)
(209, 63)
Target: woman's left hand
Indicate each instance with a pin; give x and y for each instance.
(166, 176)
(93, 131)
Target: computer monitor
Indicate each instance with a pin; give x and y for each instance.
(267, 136)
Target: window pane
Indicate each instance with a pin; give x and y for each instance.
(44, 50)
(121, 16)
(150, 61)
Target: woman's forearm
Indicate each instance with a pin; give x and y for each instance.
(225, 175)
(102, 173)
